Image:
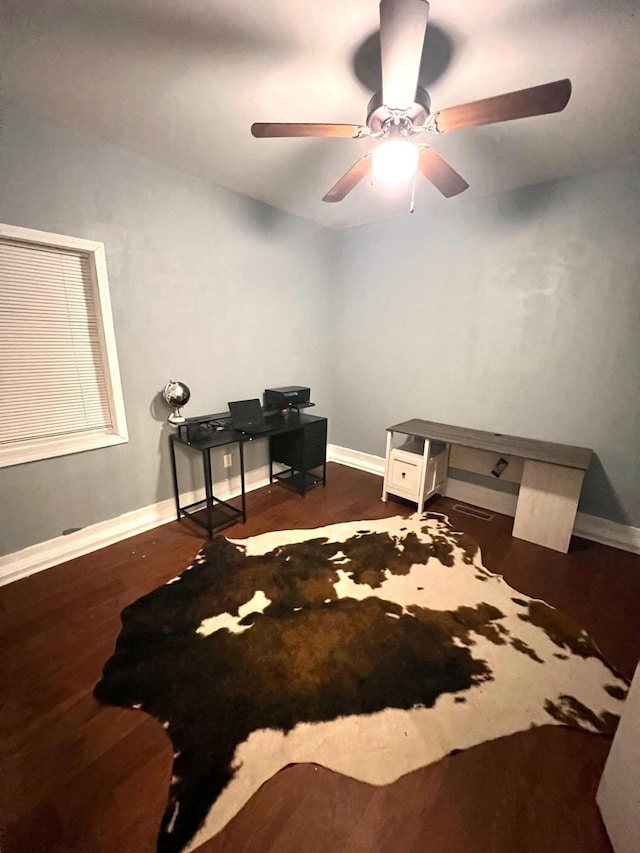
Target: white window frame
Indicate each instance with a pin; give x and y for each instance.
(48, 447)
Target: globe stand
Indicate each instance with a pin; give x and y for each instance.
(176, 418)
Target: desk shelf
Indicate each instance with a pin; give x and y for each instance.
(221, 514)
(299, 481)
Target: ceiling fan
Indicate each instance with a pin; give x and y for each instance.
(401, 111)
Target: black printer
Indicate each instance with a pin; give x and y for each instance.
(290, 396)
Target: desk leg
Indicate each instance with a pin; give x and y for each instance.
(386, 466)
(547, 504)
(242, 489)
(303, 473)
(424, 488)
(174, 475)
(208, 488)
(270, 462)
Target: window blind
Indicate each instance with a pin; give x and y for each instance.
(53, 378)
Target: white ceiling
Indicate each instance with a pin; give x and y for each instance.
(181, 81)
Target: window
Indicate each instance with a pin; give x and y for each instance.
(59, 381)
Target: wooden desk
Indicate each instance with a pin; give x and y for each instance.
(551, 479)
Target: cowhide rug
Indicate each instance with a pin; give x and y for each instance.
(372, 648)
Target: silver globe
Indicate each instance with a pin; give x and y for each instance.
(176, 395)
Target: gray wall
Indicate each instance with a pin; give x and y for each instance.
(517, 314)
(222, 292)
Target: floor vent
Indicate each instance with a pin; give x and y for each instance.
(474, 511)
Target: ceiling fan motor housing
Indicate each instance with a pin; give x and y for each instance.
(379, 116)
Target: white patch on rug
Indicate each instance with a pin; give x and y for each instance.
(257, 604)
(396, 526)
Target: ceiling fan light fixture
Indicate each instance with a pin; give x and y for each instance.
(394, 162)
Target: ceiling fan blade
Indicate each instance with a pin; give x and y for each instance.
(360, 169)
(539, 100)
(262, 130)
(440, 173)
(403, 24)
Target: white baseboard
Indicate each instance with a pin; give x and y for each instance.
(607, 532)
(587, 526)
(355, 459)
(44, 555)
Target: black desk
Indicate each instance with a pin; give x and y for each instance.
(296, 440)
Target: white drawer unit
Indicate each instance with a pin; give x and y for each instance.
(416, 470)
(405, 473)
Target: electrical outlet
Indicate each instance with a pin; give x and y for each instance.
(227, 460)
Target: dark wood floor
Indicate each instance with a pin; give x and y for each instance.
(78, 777)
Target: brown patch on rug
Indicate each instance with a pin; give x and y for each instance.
(464, 621)
(561, 629)
(570, 712)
